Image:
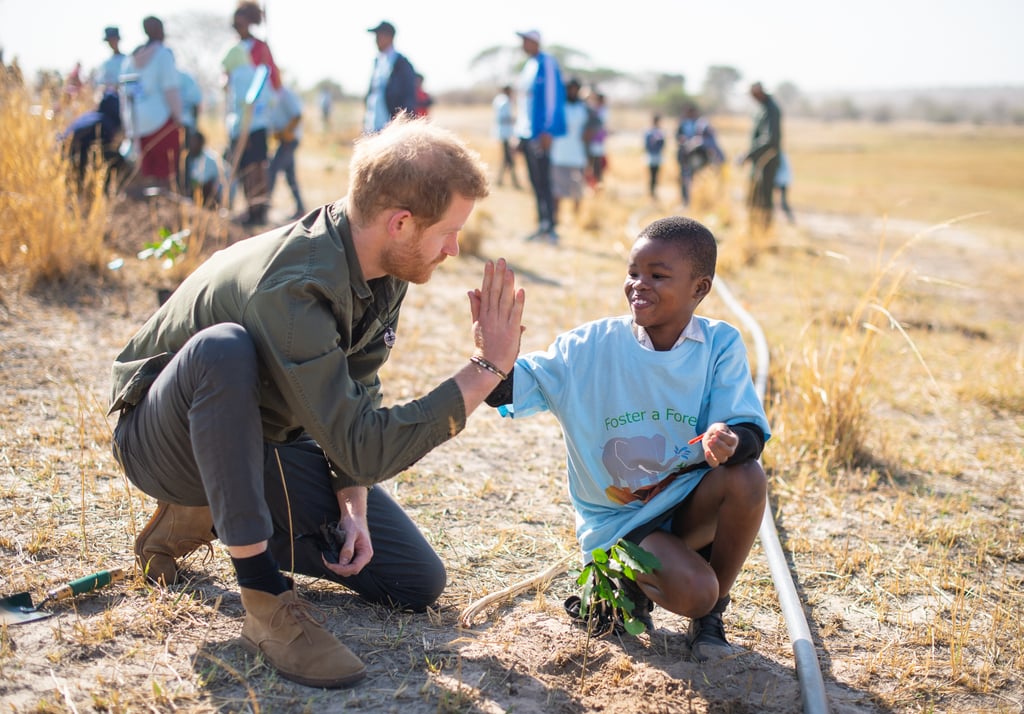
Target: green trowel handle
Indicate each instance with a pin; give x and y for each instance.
(86, 584)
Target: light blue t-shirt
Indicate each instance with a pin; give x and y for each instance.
(205, 168)
(378, 113)
(147, 76)
(627, 413)
(109, 73)
(570, 150)
(503, 117)
(240, 81)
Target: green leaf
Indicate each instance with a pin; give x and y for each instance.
(600, 556)
(633, 626)
(586, 598)
(636, 557)
(625, 602)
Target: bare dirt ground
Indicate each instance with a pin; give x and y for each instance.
(492, 501)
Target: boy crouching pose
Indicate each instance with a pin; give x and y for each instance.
(663, 430)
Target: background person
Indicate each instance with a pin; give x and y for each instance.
(109, 73)
(764, 156)
(423, 99)
(392, 83)
(598, 134)
(504, 121)
(286, 123)
(569, 155)
(255, 388)
(654, 147)
(783, 178)
(151, 107)
(540, 105)
(696, 148)
(248, 114)
(204, 172)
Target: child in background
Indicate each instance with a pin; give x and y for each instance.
(667, 378)
(783, 177)
(654, 146)
(204, 172)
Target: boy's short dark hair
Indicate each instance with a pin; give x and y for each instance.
(694, 240)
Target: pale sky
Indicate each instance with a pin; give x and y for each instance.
(816, 44)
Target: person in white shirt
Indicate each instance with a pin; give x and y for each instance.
(504, 121)
(151, 106)
(569, 154)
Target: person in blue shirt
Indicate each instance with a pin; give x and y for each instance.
(665, 453)
(541, 118)
(654, 146)
(697, 148)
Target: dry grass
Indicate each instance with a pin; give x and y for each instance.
(51, 233)
(898, 496)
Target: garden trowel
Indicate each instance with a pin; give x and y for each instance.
(18, 608)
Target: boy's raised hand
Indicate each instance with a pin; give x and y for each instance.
(497, 311)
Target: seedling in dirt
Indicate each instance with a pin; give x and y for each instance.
(168, 249)
(600, 580)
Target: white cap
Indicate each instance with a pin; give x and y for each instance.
(530, 35)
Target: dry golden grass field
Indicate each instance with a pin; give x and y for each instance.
(893, 310)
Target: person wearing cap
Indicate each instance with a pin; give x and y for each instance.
(541, 118)
(392, 84)
(151, 106)
(108, 72)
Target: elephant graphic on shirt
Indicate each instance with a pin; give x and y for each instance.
(637, 466)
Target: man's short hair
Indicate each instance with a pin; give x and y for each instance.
(412, 164)
(695, 242)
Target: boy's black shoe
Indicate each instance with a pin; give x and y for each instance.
(706, 635)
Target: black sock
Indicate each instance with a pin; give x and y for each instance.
(260, 572)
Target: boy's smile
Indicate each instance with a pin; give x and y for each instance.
(662, 290)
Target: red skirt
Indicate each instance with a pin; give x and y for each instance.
(160, 151)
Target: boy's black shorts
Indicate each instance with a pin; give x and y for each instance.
(642, 531)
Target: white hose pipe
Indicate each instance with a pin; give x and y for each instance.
(812, 687)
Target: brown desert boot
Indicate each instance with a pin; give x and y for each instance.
(290, 635)
(173, 532)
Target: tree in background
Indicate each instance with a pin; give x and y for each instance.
(331, 86)
(199, 40)
(718, 86)
(670, 95)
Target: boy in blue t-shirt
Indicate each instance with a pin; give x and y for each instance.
(664, 453)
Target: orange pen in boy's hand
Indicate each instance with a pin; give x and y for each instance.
(695, 439)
